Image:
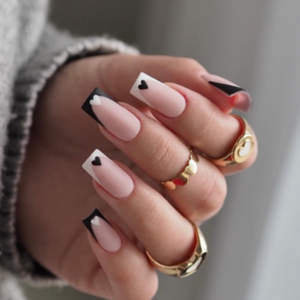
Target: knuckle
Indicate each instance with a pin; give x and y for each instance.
(206, 123)
(109, 66)
(213, 196)
(190, 63)
(162, 154)
(153, 218)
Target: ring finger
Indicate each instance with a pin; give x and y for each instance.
(193, 118)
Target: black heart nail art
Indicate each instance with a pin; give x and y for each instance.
(96, 161)
(143, 85)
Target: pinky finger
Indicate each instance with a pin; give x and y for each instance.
(129, 273)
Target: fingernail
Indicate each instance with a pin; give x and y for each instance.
(241, 97)
(158, 96)
(102, 231)
(109, 175)
(112, 116)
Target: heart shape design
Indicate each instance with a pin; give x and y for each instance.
(244, 151)
(191, 169)
(96, 100)
(96, 221)
(96, 161)
(143, 85)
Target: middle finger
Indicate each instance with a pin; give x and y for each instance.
(162, 155)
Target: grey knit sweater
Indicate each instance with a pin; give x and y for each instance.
(30, 53)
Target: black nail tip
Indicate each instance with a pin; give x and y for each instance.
(226, 88)
(87, 221)
(87, 107)
(143, 85)
(97, 161)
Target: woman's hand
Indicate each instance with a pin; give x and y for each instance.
(56, 194)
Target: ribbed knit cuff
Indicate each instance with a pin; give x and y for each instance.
(55, 50)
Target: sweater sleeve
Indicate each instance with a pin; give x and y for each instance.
(55, 50)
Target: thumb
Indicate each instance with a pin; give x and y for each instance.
(129, 274)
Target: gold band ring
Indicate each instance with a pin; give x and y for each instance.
(183, 178)
(191, 265)
(241, 150)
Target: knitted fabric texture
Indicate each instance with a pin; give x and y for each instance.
(30, 54)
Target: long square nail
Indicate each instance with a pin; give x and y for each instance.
(109, 175)
(158, 96)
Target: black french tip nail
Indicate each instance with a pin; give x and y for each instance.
(226, 88)
(87, 221)
(87, 107)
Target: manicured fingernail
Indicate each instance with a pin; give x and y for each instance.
(241, 97)
(158, 95)
(112, 116)
(102, 231)
(109, 175)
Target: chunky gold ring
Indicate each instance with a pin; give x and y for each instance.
(191, 265)
(241, 150)
(183, 178)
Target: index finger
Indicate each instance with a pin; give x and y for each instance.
(116, 73)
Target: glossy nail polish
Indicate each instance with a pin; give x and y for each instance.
(102, 231)
(241, 98)
(109, 175)
(158, 96)
(112, 116)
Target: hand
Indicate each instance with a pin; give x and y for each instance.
(56, 194)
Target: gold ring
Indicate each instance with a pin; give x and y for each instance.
(191, 265)
(183, 178)
(241, 150)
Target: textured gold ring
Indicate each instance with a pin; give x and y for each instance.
(241, 150)
(183, 178)
(191, 265)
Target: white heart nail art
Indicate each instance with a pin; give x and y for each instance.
(96, 100)
(95, 220)
(245, 149)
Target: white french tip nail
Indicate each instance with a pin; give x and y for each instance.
(136, 92)
(88, 166)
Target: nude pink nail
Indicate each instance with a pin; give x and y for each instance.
(112, 116)
(158, 96)
(102, 231)
(109, 175)
(239, 97)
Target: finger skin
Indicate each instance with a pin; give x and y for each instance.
(129, 273)
(202, 124)
(161, 155)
